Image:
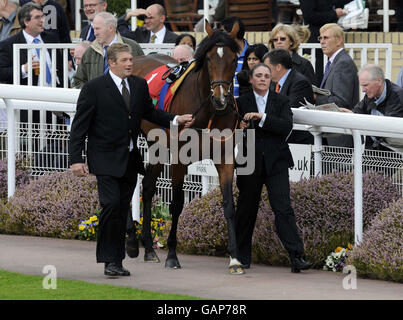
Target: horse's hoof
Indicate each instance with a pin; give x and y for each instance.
(151, 257)
(236, 269)
(172, 264)
(132, 247)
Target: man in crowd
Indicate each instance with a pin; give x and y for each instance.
(182, 53)
(9, 24)
(292, 84)
(94, 61)
(382, 98)
(55, 19)
(340, 76)
(91, 8)
(269, 114)
(154, 30)
(109, 111)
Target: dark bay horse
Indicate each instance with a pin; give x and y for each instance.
(206, 93)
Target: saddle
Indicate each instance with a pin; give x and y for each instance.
(165, 80)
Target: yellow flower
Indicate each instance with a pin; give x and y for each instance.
(94, 218)
(338, 249)
(350, 246)
(81, 227)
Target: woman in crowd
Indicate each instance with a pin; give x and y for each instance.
(186, 38)
(253, 55)
(285, 37)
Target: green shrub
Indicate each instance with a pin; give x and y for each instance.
(118, 7)
(380, 255)
(324, 211)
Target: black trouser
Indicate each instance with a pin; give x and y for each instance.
(278, 188)
(115, 195)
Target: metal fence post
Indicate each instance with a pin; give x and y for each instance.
(357, 187)
(11, 148)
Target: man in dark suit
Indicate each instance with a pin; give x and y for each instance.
(340, 76)
(109, 111)
(292, 84)
(31, 20)
(154, 30)
(91, 8)
(269, 114)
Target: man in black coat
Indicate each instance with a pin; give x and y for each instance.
(292, 84)
(109, 111)
(269, 114)
(154, 30)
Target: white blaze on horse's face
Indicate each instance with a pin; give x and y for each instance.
(220, 52)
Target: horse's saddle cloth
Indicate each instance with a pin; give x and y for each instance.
(164, 81)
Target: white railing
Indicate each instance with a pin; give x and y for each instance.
(364, 49)
(314, 121)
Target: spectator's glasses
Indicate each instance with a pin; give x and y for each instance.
(279, 39)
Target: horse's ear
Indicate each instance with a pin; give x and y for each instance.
(209, 29)
(235, 30)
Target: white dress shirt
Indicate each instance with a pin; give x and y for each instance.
(261, 102)
(160, 35)
(30, 40)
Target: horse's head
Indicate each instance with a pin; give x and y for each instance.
(219, 54)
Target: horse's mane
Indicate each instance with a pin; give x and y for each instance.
(207, 43)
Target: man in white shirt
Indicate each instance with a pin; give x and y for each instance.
(154, 30)
(91, 8)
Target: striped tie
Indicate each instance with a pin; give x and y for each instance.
(153, 37)
(48, 73)
(106, 65)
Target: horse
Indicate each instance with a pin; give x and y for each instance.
(206, 92)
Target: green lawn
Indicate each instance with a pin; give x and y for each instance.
(15, 286)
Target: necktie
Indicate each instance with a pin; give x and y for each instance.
(277, 87)
(153, 37)
(106, 66)
(38, 53)
(125, 94)
(91, 36)
(327, 68)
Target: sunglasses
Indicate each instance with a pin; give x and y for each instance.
(279, 39)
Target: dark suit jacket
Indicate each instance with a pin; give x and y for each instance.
(141, 34)
(297, 88)
(303, 66)
(103, 116)
(84, 31)
(6, 57)
(272, 153)
(342, 81)
(317, 13)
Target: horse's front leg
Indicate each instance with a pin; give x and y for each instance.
(178, 174)
(226, 177)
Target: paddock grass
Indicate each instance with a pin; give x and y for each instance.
(15, 286)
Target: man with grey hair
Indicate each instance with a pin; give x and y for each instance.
(94, 62)
(9, 24)
(182, 53)
(382, 98)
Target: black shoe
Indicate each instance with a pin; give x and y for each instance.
(132, 247)
(298, 264)
(114, 269)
